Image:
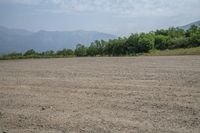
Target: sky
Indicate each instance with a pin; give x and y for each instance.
(118, 17)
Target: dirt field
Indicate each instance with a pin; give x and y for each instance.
(97, 95)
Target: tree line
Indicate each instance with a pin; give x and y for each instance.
(135, 44)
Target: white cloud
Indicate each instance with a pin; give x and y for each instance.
(130, 7)
(119, 7)
(27, 2)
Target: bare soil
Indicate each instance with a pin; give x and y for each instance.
(101, 94)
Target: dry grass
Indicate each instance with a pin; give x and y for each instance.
(187, 51)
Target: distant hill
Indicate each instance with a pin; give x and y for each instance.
(20, 40)
(185, 27)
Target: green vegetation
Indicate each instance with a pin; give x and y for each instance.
(174, 52)
(172, 41)
(80, 50)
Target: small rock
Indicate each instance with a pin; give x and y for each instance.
(43, 108)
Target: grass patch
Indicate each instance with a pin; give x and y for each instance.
(181, 51)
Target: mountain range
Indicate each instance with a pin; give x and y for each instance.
(20, 40)
(186, 27)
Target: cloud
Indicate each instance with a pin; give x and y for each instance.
(118, 7)
(27, 2)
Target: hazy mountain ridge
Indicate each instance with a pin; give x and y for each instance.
(186, 27)
(20, 40)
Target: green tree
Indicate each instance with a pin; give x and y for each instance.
(161, 32)
(131, 45)
(49, 53)
(80, 50)
(13, 55)
(161, 42)
(180, 42)
(175, 32)
(65, 52)
(30, 52)
(194, 36)
(145, 43)
(92, 50)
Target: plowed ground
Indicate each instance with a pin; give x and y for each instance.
(101, 94)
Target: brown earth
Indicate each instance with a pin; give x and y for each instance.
(103, 94)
